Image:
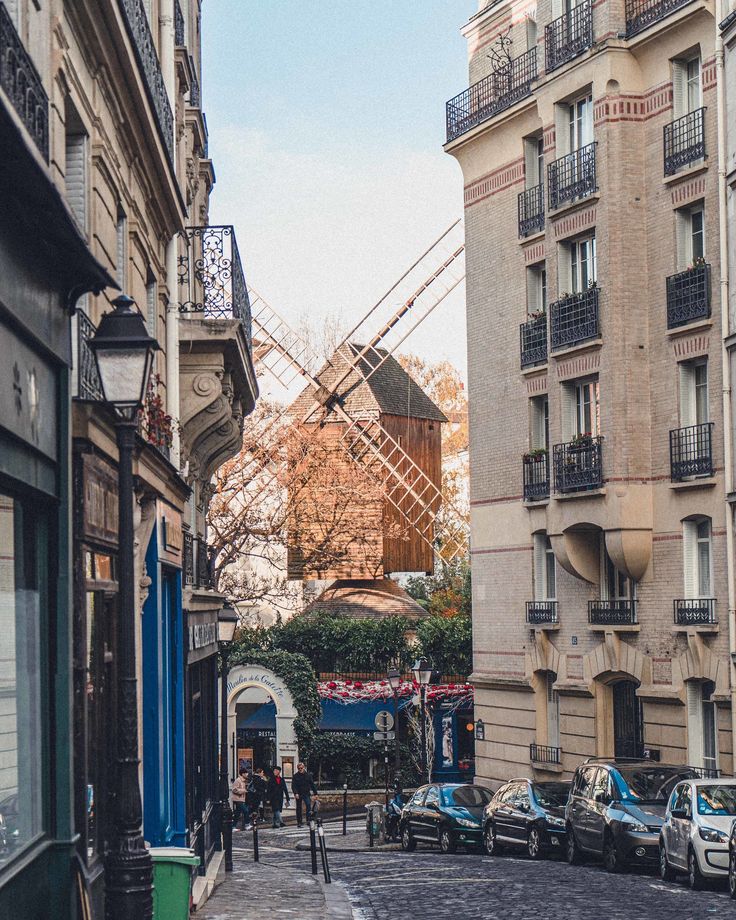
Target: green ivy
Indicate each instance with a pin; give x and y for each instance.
(342, 757)
(448, 643)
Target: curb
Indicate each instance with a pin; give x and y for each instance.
(382, 848)
(337, 901)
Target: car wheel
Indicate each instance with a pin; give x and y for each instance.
(574, 853)
(611, 857)
(694, 876)
(534, 843)
(490, 841)
(408, 843)
(666, 872)
(732, 874)
(447, 840)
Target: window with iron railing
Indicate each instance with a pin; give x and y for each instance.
(700, 611)
(574, 319)
(684, 141)
(22, 84)
(531, 210)
(640, 14)
(572, 177)
(578, 464)
(691, 452)
(569, 35)
(612, 612)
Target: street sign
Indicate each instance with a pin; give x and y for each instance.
(384, 720)
(384, 736)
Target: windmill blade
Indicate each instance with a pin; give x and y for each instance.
(278, 348)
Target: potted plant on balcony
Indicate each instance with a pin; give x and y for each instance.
(537, 316)
(582, 440)
(536, 455)
(156, 425)
(696, 264)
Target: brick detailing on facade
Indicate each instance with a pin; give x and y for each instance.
(494, 182)
(691, 347)
(575, 223)
(709, 74)
(688, 191)
(534, 253)
(579, 367)
(535, 385)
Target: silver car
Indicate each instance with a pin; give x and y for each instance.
(694, 838)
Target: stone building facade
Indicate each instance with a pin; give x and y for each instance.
(588, 143)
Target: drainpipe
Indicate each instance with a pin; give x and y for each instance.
(172, 347)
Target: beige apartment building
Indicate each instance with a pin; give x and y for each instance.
(588, 143)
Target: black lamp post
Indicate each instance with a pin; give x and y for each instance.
(422, 672)
(227, 622)
(124, 353)
(394, 680)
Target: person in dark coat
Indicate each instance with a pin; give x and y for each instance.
(302, 785)
(275, 795)
(254, 796)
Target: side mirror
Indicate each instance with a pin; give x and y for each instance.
(680, 813)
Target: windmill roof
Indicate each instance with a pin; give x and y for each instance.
(363, 599)
(389, 391)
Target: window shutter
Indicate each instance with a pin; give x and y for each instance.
(687, 394)
(564, 275)
(530, 163)
(562, 130)
(569, 411)
(540, 542)
(679, 89)
(553, 712)
(531, 33)
(690, 558)
(532, 290)
(121, 250)
(151, 307)
(76, 178)
(683, 239)
(694, 723)
(538, 433)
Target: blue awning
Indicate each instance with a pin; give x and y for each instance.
(263, 717)
(351, 717)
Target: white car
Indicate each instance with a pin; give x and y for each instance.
(694, 837)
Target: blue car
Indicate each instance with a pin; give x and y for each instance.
(446, 814)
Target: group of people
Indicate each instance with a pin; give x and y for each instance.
(253, 791)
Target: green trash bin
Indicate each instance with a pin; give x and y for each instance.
(173, 868)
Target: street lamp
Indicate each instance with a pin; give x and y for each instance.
(124, 354)
(422, 672)
(227, 622)
(394, 680)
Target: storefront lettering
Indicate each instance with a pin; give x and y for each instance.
(254, 677)
(202, 635)
(100, 497)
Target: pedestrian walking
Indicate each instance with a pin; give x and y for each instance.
(303, 787)
(262, 781)
(239, 791)
(254, 796)
(276, 793)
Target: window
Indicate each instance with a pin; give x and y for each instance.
(581, 408)
(151, 311)
(615, 586)
(536, 290)
(690, 236)
(75, 170)
(531, 33)
(577, 266)
(580, 123)
(693, 393)
(687, 86)
(121, 239)
(539, 423)
(545, 573)
(534, 160)
(698, 558)
(702, 725)
(553, 711)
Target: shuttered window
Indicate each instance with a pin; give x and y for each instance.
(553, 711)
(121, 237)
(151, 305)
(587, 407)
(533, 160)
(536, 288)
(694, 723)
(687, 86)
(693, 382)
(76, 178)
(569, 411)
(580, 123)
(539, 422)
(545, 573)
(697, 558)
(689, 236)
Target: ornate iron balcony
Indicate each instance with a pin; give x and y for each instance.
(536, 477)
(211, 277)
(578, 465)
(22, 84)
(179, 37)
(612, 612)
(188, 558)
(691, 451)
(688, 296)
(640, 14)
(139, 31)
(541, 612)
(574, 319)
(533, 341)
(542, 753)
(684, 141)
(531, 210)
(491, 95)
(572, 177)
(195, 98)
(568, 36)
(699, 611)
(204, 577)
(89, 385)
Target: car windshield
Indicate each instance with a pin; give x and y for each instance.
(466, 797)
(717, 800)
(551, 795)
(651, 784)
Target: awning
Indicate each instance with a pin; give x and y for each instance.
(263, 717)
(352, 717)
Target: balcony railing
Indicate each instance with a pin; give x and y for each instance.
(574, 319)
(536, 477)
(568, 36)
(707, 772)
(89, 385)
(620, 612)
(204, 578)
(491, 95)
(640, 14)
(211, 276)
(699, 611)
(543, 753)
(539, 612)
(179, 36)
(136, 20)
(195, 98)
(688, 296)
(188, 558)
(691, 451)
(533, 341)
(531, 210)
(578, 465)
(572, 177)
(22, 84)
(684, 141)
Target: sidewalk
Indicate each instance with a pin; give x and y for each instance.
(291, 837)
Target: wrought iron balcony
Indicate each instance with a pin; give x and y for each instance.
(691, 451)
(136, 20)
(707, 772)
(531, 210)
(179, 36)
(640, 14)
(211, 277)
(89, 385)
(204, 577)
(543, 753)
(574, 319)
(533, 341)
(688, 296)
(188, 558)
(536, 476)
(539, 612)
(578, 465)
(684, 141)
(491, 95)
(621, 612)
(698, 611)
(195, 98)
(568, 36)
(22, 84)
(572, 177)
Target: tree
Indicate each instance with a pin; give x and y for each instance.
(446, 593)
(447, 642)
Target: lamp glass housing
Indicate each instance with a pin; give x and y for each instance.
(227, 623)
(422, 672)
(394, 678)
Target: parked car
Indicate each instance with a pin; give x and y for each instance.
(616, 810)
(527, 815)
(695, 833)
(732, 861)
(448, 814)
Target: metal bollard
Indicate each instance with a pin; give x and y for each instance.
(323, 852)
(313, 844)
(345, 810)
(255, 837)
(370, 830)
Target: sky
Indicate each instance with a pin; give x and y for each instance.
(326, 124)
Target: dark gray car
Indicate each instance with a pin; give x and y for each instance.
(616, 810)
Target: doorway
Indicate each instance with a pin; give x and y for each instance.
(628, 720)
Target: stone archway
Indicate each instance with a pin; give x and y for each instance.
(246, 676)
